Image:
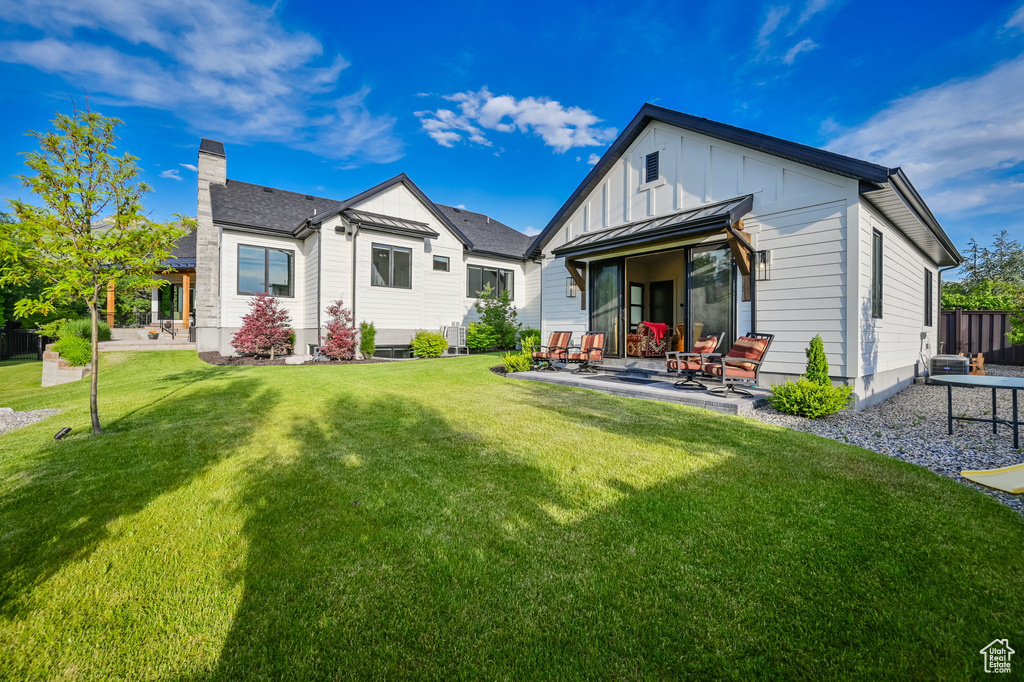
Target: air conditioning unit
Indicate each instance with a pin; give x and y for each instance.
(948, 364)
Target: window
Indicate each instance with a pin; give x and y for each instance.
(651, 167)
(876, 274)
(479, 276)
(391, 267)
(441, 263)
(927, 297)
(263, 270)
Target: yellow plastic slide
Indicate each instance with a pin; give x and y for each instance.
(1009, 479)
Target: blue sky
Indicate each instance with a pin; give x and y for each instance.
(500, 108)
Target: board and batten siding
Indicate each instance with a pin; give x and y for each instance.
(895, 341)
(799, 213)
(233, 305)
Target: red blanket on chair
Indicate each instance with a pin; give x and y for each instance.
(658, 329)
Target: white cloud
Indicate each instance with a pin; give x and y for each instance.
(1017, 20)
(189, 166)
(171, 174)
(461, 207)
(805, 45)
(593, 159)
(810, 9)
(963, 140)
(227, 68)
(772, 19)
(560, 127)
(531, 231)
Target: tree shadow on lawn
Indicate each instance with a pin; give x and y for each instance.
(400, 543)
(67, 493)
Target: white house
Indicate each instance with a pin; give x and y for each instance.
(667, 221)
(683, 221)
(392, 255)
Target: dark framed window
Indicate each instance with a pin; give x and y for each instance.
(928, 297)
(876, 273)
(441, 263)
(479, 276)
(391, 266)
(263, 270)
(651, 167)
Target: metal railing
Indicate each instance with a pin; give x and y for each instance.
(22, 344)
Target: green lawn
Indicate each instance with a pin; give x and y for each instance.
(431, 519)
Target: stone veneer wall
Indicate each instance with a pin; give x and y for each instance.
(213, 169)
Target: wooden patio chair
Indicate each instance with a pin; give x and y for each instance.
(556, 351)
(741, 366)
(590, 352)
(688, 365)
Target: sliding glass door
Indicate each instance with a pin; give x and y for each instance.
(606, 303)
(711, 292)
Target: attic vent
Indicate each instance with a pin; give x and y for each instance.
(309, 198)
(456, 210)
(651, 164)
(267, 189)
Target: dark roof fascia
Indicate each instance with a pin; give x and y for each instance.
(794, 151)
(495, 254)
(908, 193)
(387, 184)
(255, 229)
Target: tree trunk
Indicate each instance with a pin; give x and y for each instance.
(95, 365)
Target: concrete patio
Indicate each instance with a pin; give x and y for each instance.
(647, 379)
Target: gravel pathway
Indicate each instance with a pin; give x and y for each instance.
(10, 420)
(912, 426)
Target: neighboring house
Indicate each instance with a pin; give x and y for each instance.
(685, 221)
(668, 223)
(392, 255)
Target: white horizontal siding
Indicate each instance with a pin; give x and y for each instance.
(233, 305)
(894, 341)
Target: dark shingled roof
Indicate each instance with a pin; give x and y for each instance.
(487, 234)
(186, 246)
(246, 205)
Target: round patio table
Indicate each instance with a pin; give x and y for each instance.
(1012, 384)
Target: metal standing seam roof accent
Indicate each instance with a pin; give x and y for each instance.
(724, 212)
(386, 223)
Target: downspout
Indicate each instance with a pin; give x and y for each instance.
(753, 274)
(319, 280)
(355, 230)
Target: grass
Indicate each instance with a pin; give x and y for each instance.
(430, 519)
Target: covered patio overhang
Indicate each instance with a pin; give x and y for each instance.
(723, 217)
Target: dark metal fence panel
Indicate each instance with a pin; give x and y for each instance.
(980, 331)
(21, 344)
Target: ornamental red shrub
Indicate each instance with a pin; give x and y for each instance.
(266, 328)
(340, 342)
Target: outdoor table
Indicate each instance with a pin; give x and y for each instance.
(1012, 384)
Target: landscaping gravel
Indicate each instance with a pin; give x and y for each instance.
(10, 420)
(912, 426)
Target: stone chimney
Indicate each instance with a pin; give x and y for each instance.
(213, 170)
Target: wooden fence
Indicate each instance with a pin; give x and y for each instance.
(979, 331)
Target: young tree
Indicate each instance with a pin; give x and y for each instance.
(88, 228)
(340, 342)
(266, 328)
(499, 315)
(817, 362)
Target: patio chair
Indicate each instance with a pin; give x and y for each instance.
(590, 352)
(688, 365)
(556, 351)
(741, 366)
(643, 344)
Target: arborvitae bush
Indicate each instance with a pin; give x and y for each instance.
(817, 363)
(367, 339)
